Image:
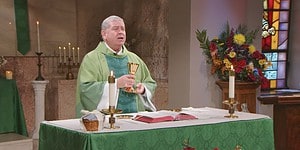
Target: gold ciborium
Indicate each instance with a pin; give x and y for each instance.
(132, 68)
(231, 107)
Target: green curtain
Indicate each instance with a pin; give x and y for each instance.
(22, 26)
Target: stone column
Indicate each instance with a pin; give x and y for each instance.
(39, 92)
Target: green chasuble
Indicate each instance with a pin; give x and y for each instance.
(92, 82)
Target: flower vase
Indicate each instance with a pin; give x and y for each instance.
(245, 94)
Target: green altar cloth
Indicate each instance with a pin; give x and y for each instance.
(11, 110)
(255, 134)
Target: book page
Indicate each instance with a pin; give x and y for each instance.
(158, 114)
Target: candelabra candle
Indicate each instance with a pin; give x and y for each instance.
(231, 82)
(60, 57)
(78, 55)
(65, 57)
(112, 89)
(69, 50)
(73, 54)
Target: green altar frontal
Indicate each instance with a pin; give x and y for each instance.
(254, 134)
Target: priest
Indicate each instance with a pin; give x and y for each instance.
(111, 55)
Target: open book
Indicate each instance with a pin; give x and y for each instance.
(163, 116)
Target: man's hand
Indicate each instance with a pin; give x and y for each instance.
(126, 81)
(140, 89)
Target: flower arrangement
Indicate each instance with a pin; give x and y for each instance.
(234, 48)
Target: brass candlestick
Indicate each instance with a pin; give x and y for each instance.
(39, 77)
(112, 120)
(132, 68)
(231, 107)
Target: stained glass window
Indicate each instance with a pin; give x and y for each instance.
(275, 33)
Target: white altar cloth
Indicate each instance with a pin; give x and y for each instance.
(205, 115)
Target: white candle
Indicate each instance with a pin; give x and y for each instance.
(231, 82)
(65, 55)
(60, 57)
(69, 49)
(112, 89)
(73, 54)
(38, 36)
(77, 54)
(8, 75)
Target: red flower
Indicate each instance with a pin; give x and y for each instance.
(213, 48)
(240, 65)
(189, 148)
(258, 55)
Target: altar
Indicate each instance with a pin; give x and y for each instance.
(211, 130)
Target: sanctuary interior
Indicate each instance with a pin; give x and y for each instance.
(161, 32)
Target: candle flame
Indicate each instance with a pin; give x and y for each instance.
(37, 22)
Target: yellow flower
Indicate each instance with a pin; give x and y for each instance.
(232, 54)
(252, 49)
(262, 62)
(227, 63)
(239, 39)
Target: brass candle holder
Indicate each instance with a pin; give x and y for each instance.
(39, 77)
(69, 75)
(231, 103)
(132, 68)
(111, 120)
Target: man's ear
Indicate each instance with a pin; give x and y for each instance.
(103, 34)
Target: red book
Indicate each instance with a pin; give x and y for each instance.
(163, 116)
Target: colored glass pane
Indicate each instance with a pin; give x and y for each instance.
(284, 26)
(275, 40)
(273, 84)
(282, 56)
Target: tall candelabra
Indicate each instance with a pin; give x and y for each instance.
(69, 65)
(39, 77)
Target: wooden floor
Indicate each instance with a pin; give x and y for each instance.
(15, 142)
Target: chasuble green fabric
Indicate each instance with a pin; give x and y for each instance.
(93, 74)
(22, 26)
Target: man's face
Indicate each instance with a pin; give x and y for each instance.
(115, 35)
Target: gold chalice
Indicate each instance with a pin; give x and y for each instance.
(132, 68)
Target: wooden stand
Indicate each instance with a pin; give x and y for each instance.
(286, 114)
(245, 92)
